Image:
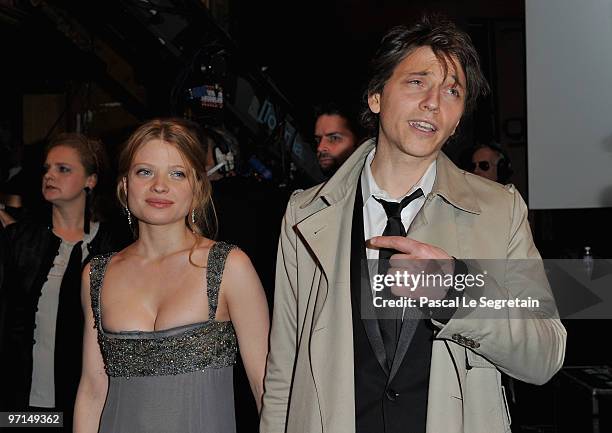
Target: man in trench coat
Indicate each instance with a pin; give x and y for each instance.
(329, 369)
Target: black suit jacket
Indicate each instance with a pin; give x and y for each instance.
(387, 399)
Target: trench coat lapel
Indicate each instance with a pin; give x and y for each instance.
(361, 288)
(327, 231)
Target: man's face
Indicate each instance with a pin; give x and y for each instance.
(335, 142)
(419, 107)
(485, 162)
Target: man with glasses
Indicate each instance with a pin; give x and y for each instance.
(491, 162)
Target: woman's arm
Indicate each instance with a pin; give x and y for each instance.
(248, 310)
(94, 381)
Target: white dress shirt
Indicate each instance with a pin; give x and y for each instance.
(374, 215)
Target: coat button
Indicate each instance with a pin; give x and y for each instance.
(391, 394)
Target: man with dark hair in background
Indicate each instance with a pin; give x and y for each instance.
(337, 135)
(331, 369)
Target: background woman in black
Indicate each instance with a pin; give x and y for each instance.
(41, 331)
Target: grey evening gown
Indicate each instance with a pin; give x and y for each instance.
(176, 380)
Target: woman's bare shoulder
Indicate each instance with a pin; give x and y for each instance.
(238, 259)
(238, 267)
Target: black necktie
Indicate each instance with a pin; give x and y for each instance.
(390, 325)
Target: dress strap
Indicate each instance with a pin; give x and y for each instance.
(216, 263)
(96, 276)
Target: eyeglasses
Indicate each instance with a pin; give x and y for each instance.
(482, 165)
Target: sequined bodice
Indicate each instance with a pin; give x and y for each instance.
(185, 349)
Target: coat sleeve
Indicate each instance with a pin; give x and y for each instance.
(283, 334)
(525, 343)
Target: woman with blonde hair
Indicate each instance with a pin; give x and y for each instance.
(166, 315)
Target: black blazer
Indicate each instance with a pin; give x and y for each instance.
(28, 252)
(387, 400)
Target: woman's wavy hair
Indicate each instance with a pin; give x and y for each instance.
(187, 138)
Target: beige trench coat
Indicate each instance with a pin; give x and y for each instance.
(309, 384)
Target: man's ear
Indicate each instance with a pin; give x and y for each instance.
(374, 102)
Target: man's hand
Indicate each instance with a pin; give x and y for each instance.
(416, 258)
(409, 248)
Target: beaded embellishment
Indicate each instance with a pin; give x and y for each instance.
(209, 344)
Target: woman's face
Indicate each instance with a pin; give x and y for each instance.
(158, 188)
(64, 178)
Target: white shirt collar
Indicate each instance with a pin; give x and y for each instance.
(369, 187)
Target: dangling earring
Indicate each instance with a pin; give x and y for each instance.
(193, 216)
(127, 210)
